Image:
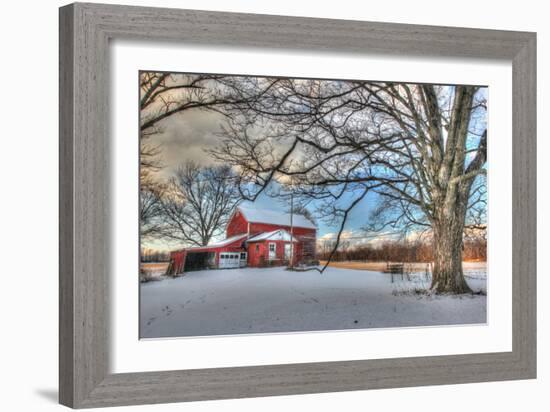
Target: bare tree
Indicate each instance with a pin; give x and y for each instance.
(197, 203)
(150, 213)
(150, 210)
(166, 94)
(419, 147)
(301, 210)
(163, 95)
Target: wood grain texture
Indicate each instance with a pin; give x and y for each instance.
(66, 245)
(85, 31)
(524, 207)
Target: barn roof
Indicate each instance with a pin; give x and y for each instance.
(274, 217)
(221, 243)
(279, 234)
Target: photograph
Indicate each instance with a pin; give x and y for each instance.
(274, 204)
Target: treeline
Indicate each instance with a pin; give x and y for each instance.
(475, 249)
(150, 255)
(400, 251)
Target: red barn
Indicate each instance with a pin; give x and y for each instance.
(256, 238)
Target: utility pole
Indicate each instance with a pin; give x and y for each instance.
(291, 230)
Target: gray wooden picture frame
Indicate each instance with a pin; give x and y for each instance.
(85, 32)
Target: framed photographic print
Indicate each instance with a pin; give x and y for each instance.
(260, 205)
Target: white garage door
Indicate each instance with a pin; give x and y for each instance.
(229, 260)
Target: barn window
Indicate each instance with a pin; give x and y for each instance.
(257, 248)
(272, 247)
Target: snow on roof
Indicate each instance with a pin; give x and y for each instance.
(224, 242)
(279, 234)
(274, 217)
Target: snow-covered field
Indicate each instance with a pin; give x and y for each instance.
(236, 301)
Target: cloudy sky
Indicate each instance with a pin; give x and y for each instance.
(185, 137)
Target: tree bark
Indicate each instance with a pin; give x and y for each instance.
(451, 200)
(448, 230)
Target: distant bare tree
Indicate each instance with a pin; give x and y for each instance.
(163, 95)
(151, 255)
(476, 214)
(197, 203)
(150, 213)
(300, 209)
(150, 210)
(419, 147)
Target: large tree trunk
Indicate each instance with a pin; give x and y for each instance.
(448, 276)
(451, 200)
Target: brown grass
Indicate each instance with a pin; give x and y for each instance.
(381, 266)
(154, 266)
(375, 266)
